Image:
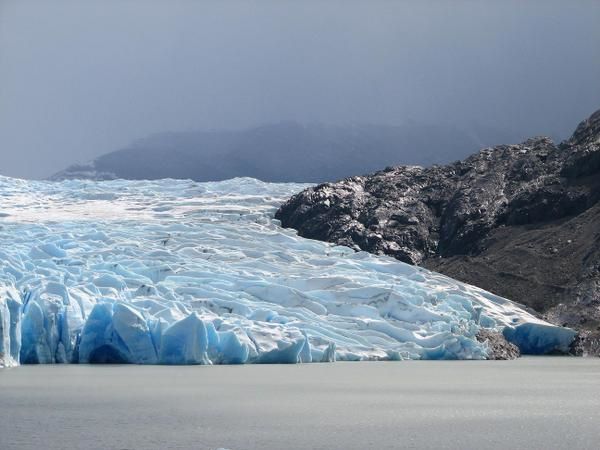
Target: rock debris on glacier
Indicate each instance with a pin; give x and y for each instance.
(178, 272)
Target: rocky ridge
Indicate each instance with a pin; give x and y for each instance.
(522, 221)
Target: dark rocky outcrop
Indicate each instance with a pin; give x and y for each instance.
(522, 221)
(498, 346)
(586, 343)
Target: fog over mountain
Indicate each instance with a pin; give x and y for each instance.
(286, 152)
(82, 79)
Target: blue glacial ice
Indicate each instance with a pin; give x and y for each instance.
(178, 272)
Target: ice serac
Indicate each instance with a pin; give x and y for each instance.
(132, 328)
(229, 348)
(37, 338)
(177, 272)
(539, 338)
(185, 342)
(10, 326)
(99, 343)
(51, 324)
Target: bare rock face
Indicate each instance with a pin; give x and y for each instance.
(586, 343)
(498, 346)
(522, 221)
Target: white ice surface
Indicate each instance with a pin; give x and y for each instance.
(178, 272)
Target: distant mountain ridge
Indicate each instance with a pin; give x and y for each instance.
(285, 152)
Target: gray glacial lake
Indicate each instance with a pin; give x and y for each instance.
(529, 403)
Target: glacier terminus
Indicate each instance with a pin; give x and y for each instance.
(180, 272)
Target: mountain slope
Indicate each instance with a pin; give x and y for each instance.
(284, 152)
(522, 221)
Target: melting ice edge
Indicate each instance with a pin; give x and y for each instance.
(178, 272)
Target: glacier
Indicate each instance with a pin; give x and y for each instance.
(179, 272)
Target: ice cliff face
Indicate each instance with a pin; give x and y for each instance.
(178, 272)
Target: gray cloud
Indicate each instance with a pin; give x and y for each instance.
(78, 79)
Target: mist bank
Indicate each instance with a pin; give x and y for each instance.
(287, 152)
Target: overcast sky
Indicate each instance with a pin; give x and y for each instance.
(81, 78)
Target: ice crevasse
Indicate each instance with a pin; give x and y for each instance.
(178, 272)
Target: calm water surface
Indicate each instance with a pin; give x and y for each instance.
(529, 403)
